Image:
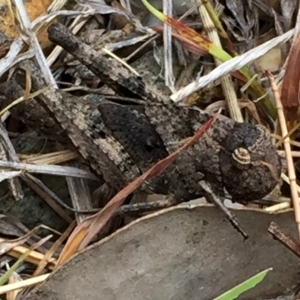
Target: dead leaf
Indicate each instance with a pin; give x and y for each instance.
(290, 86)
(180, 253)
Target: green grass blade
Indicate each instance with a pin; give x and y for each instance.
(4, 278)
(154, 11)
(243, 287)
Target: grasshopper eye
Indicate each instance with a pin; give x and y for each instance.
(242, 156)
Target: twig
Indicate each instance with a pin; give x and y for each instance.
(287, 148)
(284, 239)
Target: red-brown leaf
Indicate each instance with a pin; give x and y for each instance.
(290, 86)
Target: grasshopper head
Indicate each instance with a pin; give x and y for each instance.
(250, 165)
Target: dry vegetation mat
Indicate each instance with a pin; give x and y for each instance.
(115, 115)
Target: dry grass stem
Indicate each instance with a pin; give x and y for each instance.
(293, 153)
(280, 141)
(8, 153)
(56, 5)
(120, 60)
(278, 207)
(22, 284)
(226, 80)
(24, 27)
(289, 158)
(287, 180)
(48, 169)
(21, 99)
(48, 256)
(168, 54)
(34, 257)
(9, 59)
(80, 196)
(292, 142)
(233, 64)
(53, 158)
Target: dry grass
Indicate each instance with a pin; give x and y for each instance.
(27, 24)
